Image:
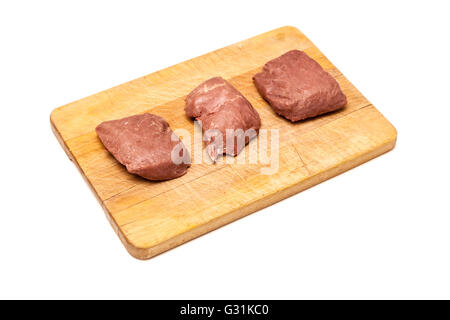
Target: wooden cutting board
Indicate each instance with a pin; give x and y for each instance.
(152, 217)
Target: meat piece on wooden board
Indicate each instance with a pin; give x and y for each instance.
(228, 119)
(297, 87)
(146, 146)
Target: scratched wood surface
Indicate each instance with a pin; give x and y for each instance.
(152, 217)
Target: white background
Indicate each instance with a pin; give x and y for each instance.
(381, 230)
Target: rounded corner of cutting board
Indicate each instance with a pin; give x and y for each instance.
(394, 135)
(290, 29)
(137, 252)
(391, 131)
(143, 251)
(52, 116)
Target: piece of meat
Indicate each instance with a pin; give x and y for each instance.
(146, 146)
(297, 87)
(228, 119)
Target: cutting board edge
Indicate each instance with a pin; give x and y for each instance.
(150, 252)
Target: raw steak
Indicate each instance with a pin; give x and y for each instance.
(225, 114)
(297, 87)
(144, 145)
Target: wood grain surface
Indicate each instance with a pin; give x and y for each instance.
(152, 217)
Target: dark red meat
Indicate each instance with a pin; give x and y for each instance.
(144, 145)
(297, 87)
(224, 112)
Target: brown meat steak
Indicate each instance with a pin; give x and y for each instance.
(297, 87)
(144, 144)
(224, 112)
